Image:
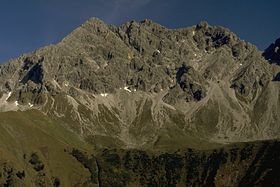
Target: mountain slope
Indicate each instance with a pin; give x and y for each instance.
(32, 151)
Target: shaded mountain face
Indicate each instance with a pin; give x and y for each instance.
(272, 53)
(141, 105)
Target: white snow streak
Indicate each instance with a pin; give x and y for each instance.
(104, 94)
(9, 95)
(126, 88)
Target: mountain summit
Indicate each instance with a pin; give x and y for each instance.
(272, 53)
(140, 86)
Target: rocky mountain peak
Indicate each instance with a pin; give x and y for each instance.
(272, 53)
(202, 25)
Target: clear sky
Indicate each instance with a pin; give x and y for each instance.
(29, 24)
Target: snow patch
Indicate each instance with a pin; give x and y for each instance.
(16, 102)
(240, 64)
(126, 89)
(9, 95)
(30, 105)
(195, 54)
(104, 94)
(158, 51)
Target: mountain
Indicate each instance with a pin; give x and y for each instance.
(106, 100)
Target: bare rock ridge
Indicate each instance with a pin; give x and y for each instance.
(142, 85)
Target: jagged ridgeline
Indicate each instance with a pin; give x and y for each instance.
(140, 86)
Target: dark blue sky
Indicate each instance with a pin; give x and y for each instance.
(29, 24)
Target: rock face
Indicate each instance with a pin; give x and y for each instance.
(143, 86)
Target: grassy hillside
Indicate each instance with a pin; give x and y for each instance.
(32, 144)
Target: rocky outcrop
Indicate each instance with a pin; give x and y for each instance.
(190, 86)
